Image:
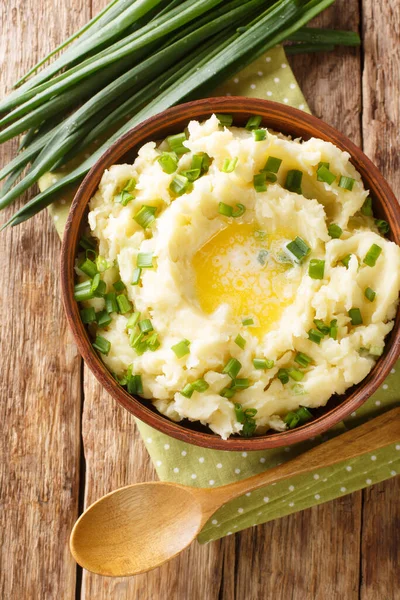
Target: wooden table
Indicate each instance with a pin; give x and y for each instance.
(65, 442)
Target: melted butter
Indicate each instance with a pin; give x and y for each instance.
(244, 267)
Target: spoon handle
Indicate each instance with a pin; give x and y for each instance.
(374, 434)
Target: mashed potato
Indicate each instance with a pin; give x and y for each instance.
(265, 308)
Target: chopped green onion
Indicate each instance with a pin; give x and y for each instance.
(132, 321)
(346, 183)
(247, 322)
(239, 413)
(179, 185)
(271, 177)
(135, 385)
(187, 390)
(136, 339)
(283, 375)
(296, 374)
(181, 348)
(200, 385)
(382, 225)
(229, 165)
(191, 174)
(145, 216)
(232, 368)
(293, 181)
(335, 231)
(227, 392)
(355, 316)
(316, 268)
(240, 341)
(372, 255)
(224, 120)
(103, 318)
(103, 264)
(315, 336)
(92, 254)
(291, 419)
(225, 209)
(240, 384)
(86, 243)
(130, 185)
(249, 428)
(144, 260)
(299, 249)
(260, 182)
(88, 267)
(253, 122)
(263, 363)
(324, 174)
(88, 315)
(119, 286)
(83, 291)
(272, 165)
(153, 342)
(99, 287)
(320, 325)
(302, 359)
(304, 414)
(136, 276)
(333, 329)
(145, 326)
(346, 260)
(238, 211)
(124, 305)
(102, 345)
(366, 208)
(123, 198)
(370, 294)
(168, 161)
(201, 161)
(323, 164)
(176, 143)
(259, 135)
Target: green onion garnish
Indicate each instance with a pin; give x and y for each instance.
(132, 321)
(99, 287)
(88, 315)
(240, 341)
(263, 363)
(247, 322)
(335, 231)
(83, 291)
(200, 385)
(179, 185)
(227, 392)
(295, 374)
(145, 326)
(103, 264)
(119, 286)
(87, 243)
(123, 198)
(253, 122)
(370, 294)
(102, 345)
(130, 185)
(191, 174)
(299, 249)
(316, 268)
(135, 340)
(291, 419)
(302, 359)
(366, 208)
(176, 143)
(135, 385)
(315, 336)
(201, 161)
(372, 255)
(249, 428)
(259, 135)
(225, 209)
(346, 260)
(346, 183)
(224, 120)
(103, 318)
(238, 211)
(382, 225)
(355, 316)
(304, 414)
(271, 177)
(320, 325)
(144, 260)
(260, 182)
(239, 413)
(111, 302)
(232, 368)
(88, 267)
(229, 165)
(293, 181)
(323, 164)
(153, 342)
(136, 276)
(187, 391)
(181, 348)
(324, 174)
(145, 216)
(283, 375)
(168, 161)
(124, 305)
(333, 329)
(240, 384)
(272, 165)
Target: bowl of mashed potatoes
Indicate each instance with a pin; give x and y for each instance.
(231, 273)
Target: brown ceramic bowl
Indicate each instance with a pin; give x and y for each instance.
(278, 117)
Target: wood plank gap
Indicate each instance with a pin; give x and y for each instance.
(362, 64)
(82, 476)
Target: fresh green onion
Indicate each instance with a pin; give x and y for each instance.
(136, 340)
(103, 318)
(119, 286)
(323, 164)
(153, 342)
(372, 255)
(324, 174)
(249, 428)
(144, 260)
(333, 329)
(225, 209)
(103, 264)
(355, 316)
(240, 384)
(87, 243)
(346, 183)
(260, 182)
(83, 291)
(176, 143)
(346, 260)
(320, 325)
(295, 374)
(123, 198)
(239, 413)
(283, 375)
(366, 208)
(304, 414)
(315, 336)
(272, 165)
(382, 225)
(316, 268)
(136, 276)
(302, 359)
(293, 181)
(227, 392)
(179, 185)
(253, 122)
(299, 249)
(135, 385)
(181, 348)
(124, 305)
(88, 267)
(225, 120)
(99, 287)
(259, 135)
(335, 231)
(102, 345)
(133, 320)
(271, 177)
(200, 385)
(291, 419)
(247, 322)
(191, 174)
(145, 326)
(187, 390)
(370, 294)
(168, 161)
(232, 368)
(201, 161)
(240, 341)
(145, 216)
(130, 185)
(263, 363)
(229, 165)
(238, 211)
(88, 315)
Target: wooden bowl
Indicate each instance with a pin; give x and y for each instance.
(275, 116)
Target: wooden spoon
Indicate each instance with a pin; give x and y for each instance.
(140, 527)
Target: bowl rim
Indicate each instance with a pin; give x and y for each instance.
(136, 136)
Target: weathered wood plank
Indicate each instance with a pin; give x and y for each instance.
(40, 367)
(380, 547)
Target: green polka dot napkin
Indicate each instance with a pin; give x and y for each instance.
(269, 77)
